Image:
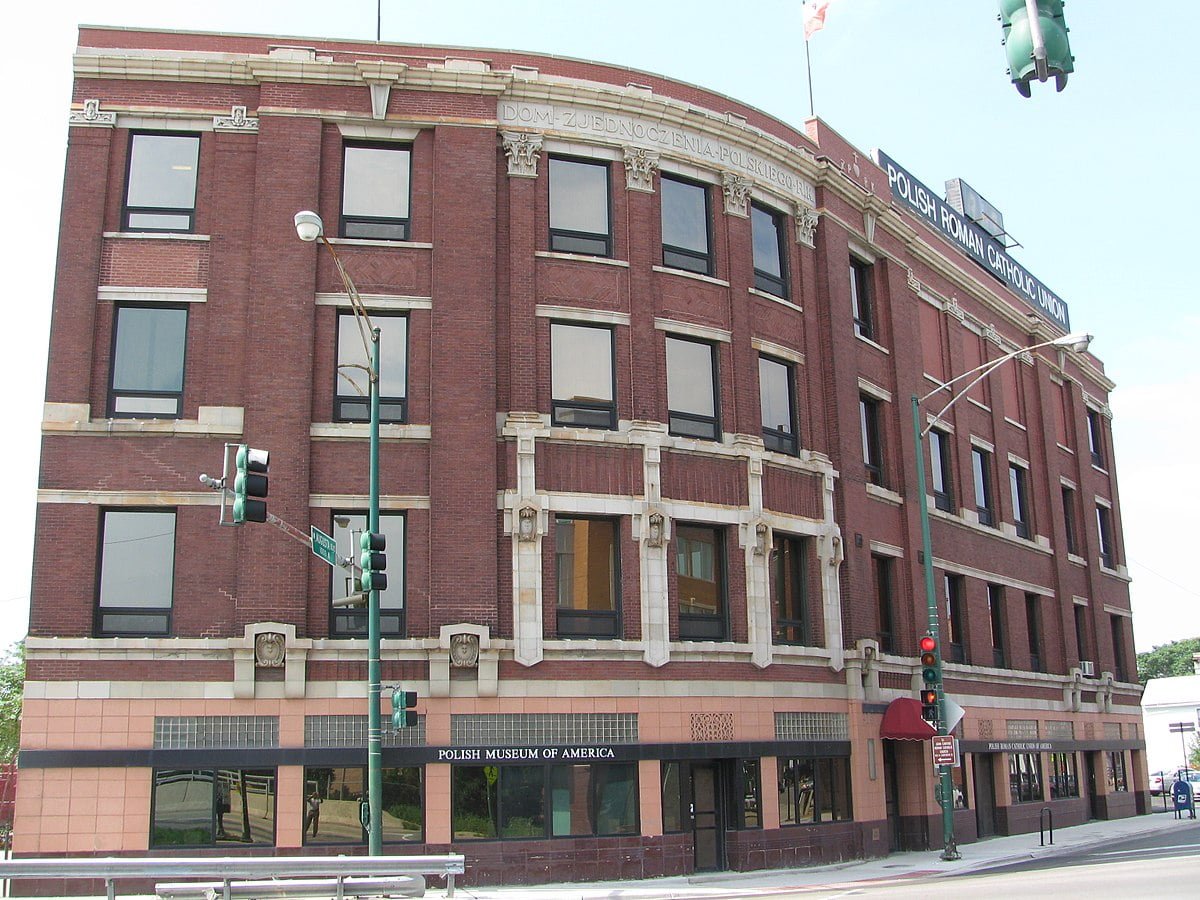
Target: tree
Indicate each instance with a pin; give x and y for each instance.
(1168, 660)
(12, 689)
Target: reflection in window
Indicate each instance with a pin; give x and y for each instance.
(692, 388)
(675, 816)
(885, 603)
(522, 802)
(585, 563)
(137, 572)
(375, 192)
(685, 231)
(789, 589)
(778, 405)
(995, 596)
(981, 468)
(333, 796)
(956, 624)
(700, 570)
(352, 400)
(351, 621)
(872, 446)
(579, 220)
(939, 459)
(160, 193)
(860, 299)
(1025, 777)
(1108, 552)
(581, 376)
(767, 233)
(749, 811)
(1114, 771)
(1018, 482)
(1064, 780)
(147, 362)
(207, 807)
(814, 790)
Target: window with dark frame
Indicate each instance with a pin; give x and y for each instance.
(351, 400)
(939, 465)
(995, 597)
(872, 447)
(768, 234)
(1108, 554)
(700, 582)
(148, 354)
(332, 796)
(1064, 778)
(160, 185)
(746, 812)
(686, 228)
(861, 299)
(1018, 482)
(1114, 771)
(692, 407)
(1033, 628)
(579, 207)
(1095, 427)
(814, 790)
(582, 386)
(587, 575)
(1068, 507)
(1025, 777)
(956, 631)
(376, 191)
(351, 621)
(1081, 642)
(776, 394)
(136, 572)
(1120, 664)
(212, 807)
(789, 589)
(885, 602)
(981, 468)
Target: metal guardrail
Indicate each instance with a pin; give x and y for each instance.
(227, 869)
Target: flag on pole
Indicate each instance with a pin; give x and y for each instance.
(814, 16)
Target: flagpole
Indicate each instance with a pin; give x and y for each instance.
(808, 65)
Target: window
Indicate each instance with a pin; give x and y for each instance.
(1115, 771)
(748, 812)
(149, 345)
(579, 207)
(939, 464)
(768, 235)
(1018, 482)
(789, 590)
(331, 805)
(1068, 505)
(586, 571)
(956, 633)
(868, 413)
(375, 191)
(861, 301)
(352, 399)
(522, 802)
(981, 466)
(137, 572)
(686, 237)
(1025, 777)
(1121, 670)
(1033, 627)
(885, 603)
(692, 389)
(351, 621)
(700, 573)
(814, 789)
(996, 622)
(1064, 779)
(160, 189)
(581, 376)
(1108, 554)
(777, 401)
(1081, 643)
(213, 807)
(1095, 437)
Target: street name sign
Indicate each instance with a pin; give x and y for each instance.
(323, 545)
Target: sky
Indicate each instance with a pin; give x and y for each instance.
(1094, 182)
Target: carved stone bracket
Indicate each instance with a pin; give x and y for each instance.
(991, 334)
(464, 650)
(640, 166)
(237, 120)
(522, 150)
(269, 650)
(806, 225)
(91, 116)
(956, 311)
(914, 283)
(737, 194)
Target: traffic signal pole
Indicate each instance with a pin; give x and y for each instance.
(374, 669)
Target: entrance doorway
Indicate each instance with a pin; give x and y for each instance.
(708, 817)
(1093, 804)
(891, 793)
(984, 770)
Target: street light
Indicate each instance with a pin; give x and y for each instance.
(310, 228)
(1077, 343)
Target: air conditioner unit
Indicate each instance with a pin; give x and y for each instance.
(1087, 667)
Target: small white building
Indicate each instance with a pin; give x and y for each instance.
(1169, 701)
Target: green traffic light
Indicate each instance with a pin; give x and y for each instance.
(1020, 43)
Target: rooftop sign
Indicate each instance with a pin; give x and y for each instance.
(972, 240)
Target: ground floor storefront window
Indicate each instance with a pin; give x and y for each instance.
(814, 790)
(208, 807)
(1025, 777)
(1064, 779)
(332, 797)
(1115, 772)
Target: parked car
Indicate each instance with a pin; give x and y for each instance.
(1192, 776)
(1156, 783)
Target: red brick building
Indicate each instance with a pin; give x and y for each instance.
(648, 477)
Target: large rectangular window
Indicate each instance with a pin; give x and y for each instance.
(939, 466)
(1120, 667)
(213, 807)
(995, 595)
(160, 187)
(1025, 777)
(376, 191)
(1095, 426)
(861, 301)
(700, 578)
(1108, 550)
(956, 623)
(872, 444)
(789, 590)
(777, 400)
(586, 570)
(332, 797)
(981, 468)
(1064, 779)
(1018, 482)
(1114, 771)
(768, 233)
(885, 603)
(352, 398)
(1033, 627)
(1081, 642)
(579, 207)
(692, 389)
(814, 789)
(351, 620)
(686, 236)
(582, 388)
(148, 353)
(1069, 522)
(137, 572)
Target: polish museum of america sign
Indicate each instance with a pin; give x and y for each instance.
(972, 240)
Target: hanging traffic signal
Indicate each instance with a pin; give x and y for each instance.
(929, 659)
(402, 705)
(929, 704)
(1036, 45)
(373, 561)
(250, 485)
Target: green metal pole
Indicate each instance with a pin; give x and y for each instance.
(946, 792)
(374, 731)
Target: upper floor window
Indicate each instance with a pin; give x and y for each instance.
(137, 572)
(686, 234)
(1096, 437)
(1068, 504)
(861, 301)
(789, 590)
(1033, 627)
(147, 362)
(352, 401)
(995, 597)
(579, 207)
(582, 391)
(1120, 669)
(351, 620)
(1108, 550)
(956, 623)
(692, 388)
(1018, 482)
(586, 570)
(160, 189)
(777, 401)
(375, 191)
(700, 575)
(768, 234)
(885, 603)
(872, 446)
(1081, 642)
(981, 467)
(939, 465)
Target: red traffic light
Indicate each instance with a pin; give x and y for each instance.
(928, 644)
(929, 698)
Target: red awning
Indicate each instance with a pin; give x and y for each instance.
(903, 722)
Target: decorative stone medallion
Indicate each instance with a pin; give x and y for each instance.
(269, 650)
(464, 650)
